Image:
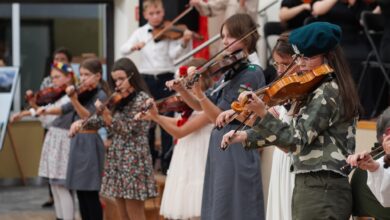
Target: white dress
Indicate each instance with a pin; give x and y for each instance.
(182, 197)
(281, 182)
(379, 183)
(55, 149)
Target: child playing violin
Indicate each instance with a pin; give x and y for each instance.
(322, 132)
(55, 150)
(128, 171)
(86, 154)
(232, 186)
(281, 180)
(156, 63)
(182, 197)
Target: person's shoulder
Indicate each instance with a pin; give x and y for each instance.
(143, 28)
(251, 67)
(101, 94)
(253, 71)
(251, 77)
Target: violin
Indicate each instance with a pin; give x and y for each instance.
(172, 103)
(290, 87)
(172, 32)
(47, 95)
(212, 67)
(113, 100)
(217, 67)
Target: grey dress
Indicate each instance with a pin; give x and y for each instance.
(86, 156)
(232, 187)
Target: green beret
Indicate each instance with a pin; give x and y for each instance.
(315, 38)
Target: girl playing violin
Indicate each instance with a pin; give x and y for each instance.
(156, 62)
(182, 197)
(322, 132)
(232, 186)
(55, 150)
(86, 155)
(128, 171)
(281, 180)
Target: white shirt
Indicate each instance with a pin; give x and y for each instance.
(157, 57)
(379, 183)
(254, 58)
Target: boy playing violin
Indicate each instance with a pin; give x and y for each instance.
(156, 64)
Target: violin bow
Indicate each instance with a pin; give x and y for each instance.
(211, 60)
(247, 34)
(180, 16)
(347, 169)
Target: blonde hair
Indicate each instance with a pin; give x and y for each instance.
(148, 3)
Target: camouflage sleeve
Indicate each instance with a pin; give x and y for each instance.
(315, 117)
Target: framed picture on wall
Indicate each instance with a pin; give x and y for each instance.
(8, 81)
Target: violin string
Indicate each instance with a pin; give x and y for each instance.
(247, 34)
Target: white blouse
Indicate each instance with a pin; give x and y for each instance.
(379, 183)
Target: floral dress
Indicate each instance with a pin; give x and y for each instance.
(128, 170)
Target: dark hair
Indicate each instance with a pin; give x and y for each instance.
(240, 24)
(283, 47)
(129, 67)
(336, 59)
(95, 66)
(64, 51)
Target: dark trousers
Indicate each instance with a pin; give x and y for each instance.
(158, 89)
(89, 204)
(321, 195)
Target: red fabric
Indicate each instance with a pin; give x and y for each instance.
(203, 30)
(183, 71)
(184, 118)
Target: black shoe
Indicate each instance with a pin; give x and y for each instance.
(48, 204)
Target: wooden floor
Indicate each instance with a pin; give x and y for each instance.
(152, 208)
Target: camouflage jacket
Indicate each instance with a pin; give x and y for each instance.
(318, 137)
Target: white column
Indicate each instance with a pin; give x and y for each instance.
(16, 49)
(124, 24)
